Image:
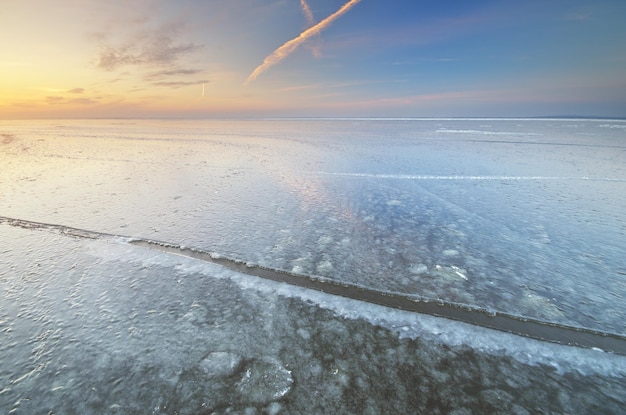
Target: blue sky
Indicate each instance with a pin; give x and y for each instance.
(71, 58)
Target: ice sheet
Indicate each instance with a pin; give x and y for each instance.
(521, 216)
(517, 216)
(101, 326)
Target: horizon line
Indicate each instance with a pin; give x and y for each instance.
(337, 118)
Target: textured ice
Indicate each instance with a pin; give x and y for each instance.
(98, 326)
(533, 211)
(264, 380)
(220, 364)
(517, 216)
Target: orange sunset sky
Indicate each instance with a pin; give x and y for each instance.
(150, 58)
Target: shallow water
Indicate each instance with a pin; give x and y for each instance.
(515, 216)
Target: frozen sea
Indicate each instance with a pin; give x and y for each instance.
(288, 266)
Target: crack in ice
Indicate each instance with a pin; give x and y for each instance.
(511, 323)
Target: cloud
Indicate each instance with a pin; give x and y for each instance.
(287, 48)
(171, 72)
(76, 91)
(155, 53)
(161, 78)
(156, 47)
(178, 84)
(57, 99)
(111, 58)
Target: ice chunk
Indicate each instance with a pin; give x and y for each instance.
(450, 272)
(220, 364)
(264, 380)
(418, 269)
(450, 253)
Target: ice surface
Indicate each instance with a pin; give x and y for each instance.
(100, 326)
(520, 216)
(534, 208)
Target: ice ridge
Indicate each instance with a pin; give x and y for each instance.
(519, 325)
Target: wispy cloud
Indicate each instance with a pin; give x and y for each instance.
(171, 72)
(76, 91)
(179, 84)
(111, 58)
(156, 47)
(56, 99)
(287, 48)
(156, 53)
(172, 78)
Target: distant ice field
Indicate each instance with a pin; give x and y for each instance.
(518, 217)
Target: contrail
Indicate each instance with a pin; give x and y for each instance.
(307, 12)
(287, 48)
(310, 20)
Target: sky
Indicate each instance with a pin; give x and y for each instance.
(312, 58)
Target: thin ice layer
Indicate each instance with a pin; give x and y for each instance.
(510, 323)
(161, 333)
(518, 216)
